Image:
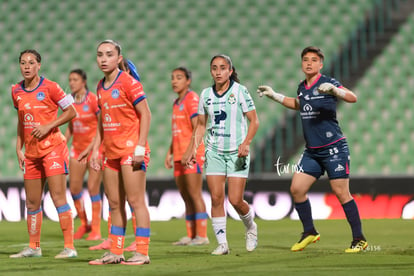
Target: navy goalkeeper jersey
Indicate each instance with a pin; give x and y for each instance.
(318, 114)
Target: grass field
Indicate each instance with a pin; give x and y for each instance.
(390, 251)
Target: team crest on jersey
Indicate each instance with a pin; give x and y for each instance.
(181, 107)
(315, 91)
(86, 108)
(232, 99)
(115, 94)
(40, 96)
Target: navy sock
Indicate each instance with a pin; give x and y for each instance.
(305, 214)
(352, 215)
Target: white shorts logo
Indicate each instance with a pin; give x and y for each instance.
(339, 168)
(55, 165)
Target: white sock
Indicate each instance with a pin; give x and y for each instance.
(248, 219)
(219, 227)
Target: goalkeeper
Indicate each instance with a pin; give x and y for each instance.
(326, 146)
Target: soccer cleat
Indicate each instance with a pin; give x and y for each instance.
(137, 259)
(222, 249)
(357, 246)
(105, 245)
(183, 241)
(28, 252)
(67, 253)
(251, 238)
(132, 247)
(306, 239)
(93, 236)
(199, 241)
(82, 230)
(108, 258)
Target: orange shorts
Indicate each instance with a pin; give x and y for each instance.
(74, 153)
(179, 169)
(115, 164)
(54, 163)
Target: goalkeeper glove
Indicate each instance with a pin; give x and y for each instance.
(331, 89)
(268, 91)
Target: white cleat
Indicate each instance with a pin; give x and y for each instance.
(199, 241)
(183, 241)
(222, 249)
(251, 238)
(108, 258)
(137, 259)
(67, 253)
(28, 252)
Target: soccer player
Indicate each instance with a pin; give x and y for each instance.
(83, 130)
(189, 180)
(326, 146)
(226, 106)
(124, 125)
(129, 67)
(46, 155)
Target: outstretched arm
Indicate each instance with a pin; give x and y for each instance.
(288, 102)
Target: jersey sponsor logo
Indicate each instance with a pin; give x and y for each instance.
(28, 117)
(339, 168)
(219, 116)
(85, 108)
(40, 96)
(128, 161)
(307, 108)
(115, 94)
(308, 112)
(232, 99)
(108, 118)
(55, 166)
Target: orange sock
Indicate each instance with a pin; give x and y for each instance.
(66, 224)
(34, 223)
(96, 213)
(190, 225)
(117, 237)
(201, 224)
(142, 238)
(80, 208)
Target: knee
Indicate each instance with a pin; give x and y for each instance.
(217, 201)
(236, 202)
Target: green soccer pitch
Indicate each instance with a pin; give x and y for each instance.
(390, 251)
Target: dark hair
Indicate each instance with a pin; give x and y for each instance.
(313, 49)
(123, 65)
(82, 74)
(31, 51)
(113, 42)
(186, 72)
(234, 75)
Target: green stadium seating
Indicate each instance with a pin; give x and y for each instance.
(263, 37)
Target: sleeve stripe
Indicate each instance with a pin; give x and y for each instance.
(139, 100)
(193, 115)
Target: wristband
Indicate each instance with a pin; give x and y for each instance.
(139, 151)
(339, 92)
(278, 97)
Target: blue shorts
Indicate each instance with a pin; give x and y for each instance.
(334, 159)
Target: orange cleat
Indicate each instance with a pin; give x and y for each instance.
(105, 245)
(132, 247)
(93, 236)
(82, 230)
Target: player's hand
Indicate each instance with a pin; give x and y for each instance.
(21, 158)
(168, 161)
(83, 156)
(189, 159)
(95, 162)
(265, 90)
(243, 150)
(40, 131)
(327, 88)
(268, 91)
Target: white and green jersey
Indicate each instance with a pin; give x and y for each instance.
(227, 125)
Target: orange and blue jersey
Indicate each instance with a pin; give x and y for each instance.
(318, 114)
(85, 123)
(182, 129)
(38, 107)
(120, 121)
